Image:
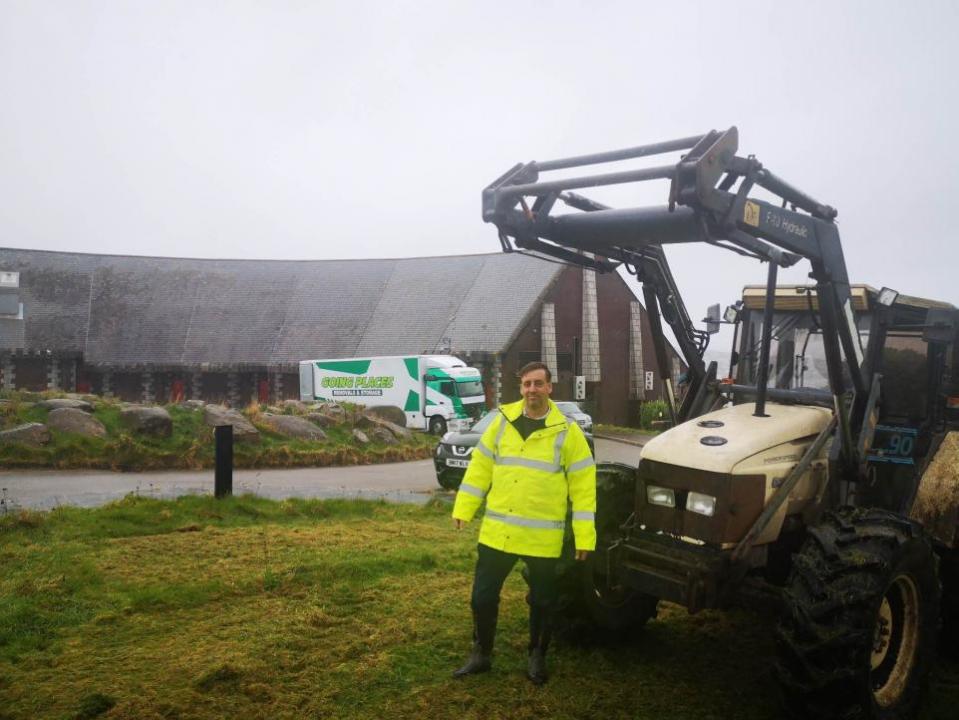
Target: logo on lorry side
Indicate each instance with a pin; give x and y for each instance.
(363, 385)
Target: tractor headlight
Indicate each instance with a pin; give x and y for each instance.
(664, 497)
(702, 504)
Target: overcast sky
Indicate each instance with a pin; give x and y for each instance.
(368, 129)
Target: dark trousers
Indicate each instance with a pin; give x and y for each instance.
(492, 568)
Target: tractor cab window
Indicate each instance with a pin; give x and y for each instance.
(797, 355)
(904, 362)
(797, 359)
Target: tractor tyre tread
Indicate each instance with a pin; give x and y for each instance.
(830, 607)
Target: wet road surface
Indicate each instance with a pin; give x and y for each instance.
(399, 482)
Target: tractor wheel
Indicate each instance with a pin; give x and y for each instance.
(860, 615)
(609, 604)
(592, 592)
(437, 425)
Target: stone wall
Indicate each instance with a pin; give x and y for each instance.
(148, 385)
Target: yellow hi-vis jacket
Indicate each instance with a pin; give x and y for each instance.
(526, 485)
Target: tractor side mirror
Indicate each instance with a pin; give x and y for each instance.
(712, 319)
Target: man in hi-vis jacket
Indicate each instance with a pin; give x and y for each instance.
(530, 461)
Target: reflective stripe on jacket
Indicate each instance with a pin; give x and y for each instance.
(526, 485)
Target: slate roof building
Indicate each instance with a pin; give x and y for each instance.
(152, 329)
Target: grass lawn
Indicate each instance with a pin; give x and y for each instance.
(250, 608)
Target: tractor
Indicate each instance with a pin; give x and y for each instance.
(821, 473)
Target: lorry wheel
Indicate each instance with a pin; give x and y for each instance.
(437, 425)
(592, 592)
(860, 615)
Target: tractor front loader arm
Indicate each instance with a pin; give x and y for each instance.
(710, 202)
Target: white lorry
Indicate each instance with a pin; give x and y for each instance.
(437, 392)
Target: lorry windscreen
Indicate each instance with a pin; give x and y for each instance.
(469, 388)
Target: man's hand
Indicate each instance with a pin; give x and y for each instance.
(582, 555)
(459, 524)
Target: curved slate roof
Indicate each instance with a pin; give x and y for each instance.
(127, 310)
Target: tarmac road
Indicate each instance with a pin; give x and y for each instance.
(400, 482)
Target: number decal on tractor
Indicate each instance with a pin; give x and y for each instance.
(894, 444)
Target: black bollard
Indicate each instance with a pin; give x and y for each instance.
(223, 477)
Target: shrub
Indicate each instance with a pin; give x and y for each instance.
(653, 410)
(253, 411)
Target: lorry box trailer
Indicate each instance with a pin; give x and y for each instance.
(437, 392)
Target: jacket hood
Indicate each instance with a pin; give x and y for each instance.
(514, 409)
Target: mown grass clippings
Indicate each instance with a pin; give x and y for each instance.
(94, 705)
(137, 515)
(340, 609)
(222, 676)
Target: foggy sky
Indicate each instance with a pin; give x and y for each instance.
(368, 129)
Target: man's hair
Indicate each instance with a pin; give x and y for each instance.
(535, 365)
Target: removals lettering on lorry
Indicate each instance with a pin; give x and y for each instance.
(364, 385)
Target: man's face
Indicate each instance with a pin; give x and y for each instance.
(535, 389)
